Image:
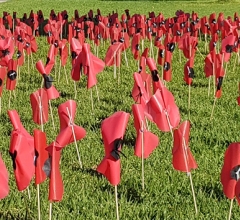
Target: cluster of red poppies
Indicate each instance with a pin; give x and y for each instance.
(153, 101)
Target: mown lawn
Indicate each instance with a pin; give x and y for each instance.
(167, 194)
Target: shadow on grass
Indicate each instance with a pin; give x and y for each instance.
(131, 194)
(92, 172)
(65, 95)
(213, 191)
(129, 142)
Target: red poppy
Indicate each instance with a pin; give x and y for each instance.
(69, 131)
(150, 140)
(183, 159)
(39, 104)
(113, 129)
(4, 187)
(41, 155)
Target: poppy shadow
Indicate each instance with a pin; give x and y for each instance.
(65, 95)
(214, 192)
(132, 195)
(129, 142)
(199, 84)
(93, 172)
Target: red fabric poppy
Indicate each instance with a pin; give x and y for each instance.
(68, 130)
(41, 155)
(163, 110)
(11, 75)
(167, 67)
(150, 140)
(4, 187)
(183, 159)
(56, 189)
(3, 73)
(139, 92)
(39, 104)
(6, 50)
(22, 155)
(50, 89)
(113, 129)
(230, 170)
(135, 47)
(228, 45)
(189, 71)
(113, 55)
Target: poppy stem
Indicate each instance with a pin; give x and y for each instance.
(51, 114)
(148, 128)
(189, 172)
(28, 65)
(65, 72)
(97, 93)
(200, 53)
(9, 102)
(29, 194)
(199, 32)
(91, 98)
(209, 85)
(115, 66)
(59, 71)
(156, 57)
(168, 120)
(116, 199)
(142, 145)
(214, 78)
(75, 89)
(230, 210)
(27, 209)
(38, 198)
(55, 67)
(74, 137)
(205, 36)
(213, 108)
(69, 49)
(125, 55)
(41, 116)
(194, 198)
(119, 68)
(50, 211)
(32, 61)
(189, 100)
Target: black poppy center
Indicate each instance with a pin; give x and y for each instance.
(137, 47)
(166, 66)
(19, 54)
(190, 72)
(155, 77)
(12, 75)
(229, 48)
(5, 52)
(47, 81)
(219, 82)
(235, 173)
(74, 54)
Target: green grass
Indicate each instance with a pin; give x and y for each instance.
(167, 194)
